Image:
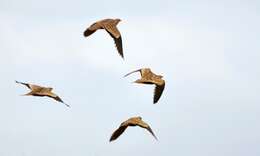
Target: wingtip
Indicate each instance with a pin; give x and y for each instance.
(126, 75)
(139, 70)
(85, 33)
(156, 138)
(122, 55)
(155, 102)
(110, 140)
(67, 105)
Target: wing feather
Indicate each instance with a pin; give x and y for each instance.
(112, 29)
(55, 97)
(31, 86)
(158, 92)
(117, 41)
(90, 30)
(151, 131)
(139, 70)
(117, 133)
(143, 124)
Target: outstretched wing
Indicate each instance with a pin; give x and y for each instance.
(90, 30)
(112, 29)
(118, 132)
(119, 46)
(30, 86)
(151, 131)
(158, 92)
(115, 34)
(139, 70)
(55, 97)
(142, 124)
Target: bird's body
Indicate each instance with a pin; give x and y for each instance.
(148, 77)
(110, 26)
(37, 90)
(134, 121)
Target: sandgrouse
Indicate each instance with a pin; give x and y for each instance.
(134, 121)
(110, 26)
(41, 91)
(148, 77)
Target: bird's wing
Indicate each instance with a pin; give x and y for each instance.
(118, 132)
(146, 126)
(30, 86)
(151, 131)
(54, 96)
(115, 34)
(90, 30)
(159, 87)
(26, 84)
(139, 70)
(111, 29)
(119, 46)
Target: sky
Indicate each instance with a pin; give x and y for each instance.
(207, 51)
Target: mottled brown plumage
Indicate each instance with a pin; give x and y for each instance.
(134, 121)
(41, 91)
(148, 77)
(110, 26)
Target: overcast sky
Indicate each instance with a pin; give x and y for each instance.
(208, 53)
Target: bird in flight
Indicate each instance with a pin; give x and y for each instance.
(134, 121)
(148, 77)
(110, 26)
(41, 91)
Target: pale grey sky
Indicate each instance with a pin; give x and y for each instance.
(207, 51)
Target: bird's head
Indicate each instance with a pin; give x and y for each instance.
(160, 76)
(117, 20)
(139, 117)
(50, 89)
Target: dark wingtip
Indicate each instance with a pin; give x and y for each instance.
(111, 139)
(132, 72)
(67, 105)
(85, 33)
(151, 131)
(155, 138)
(88, 32)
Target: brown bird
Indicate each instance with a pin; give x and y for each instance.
(148, 77)
(110, 26)
(41, 91)
(134, 121)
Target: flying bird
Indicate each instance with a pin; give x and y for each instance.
(41, 91)
(110, 26)
(148, 77)
(134, 121)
